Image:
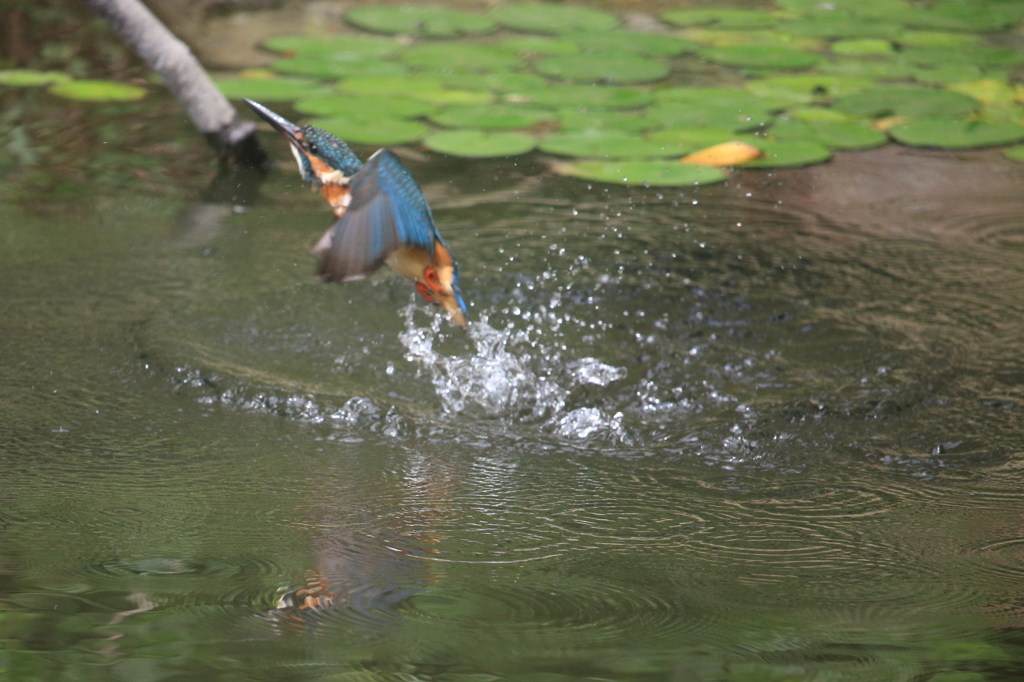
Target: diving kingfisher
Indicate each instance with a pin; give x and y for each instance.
(383, 216)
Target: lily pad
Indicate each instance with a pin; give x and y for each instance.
(583, 96)
(1015, 153)
(351, 47)
(813, 114)
(423, 88)
(644, 44)
(455, 56)
(948, 134)
(380, 131)
(679, 141)
(789, 154)
(492, 116)
(324, 67)
(609, 67)
(958, 16)
(838, 24)
(936, 39)
(647, 173)
(478, 144)
(863, 47)
(948, 73)
(97, 91)
(722, 38)
(601, 143)
(740, 100)
(710, 115)
(575, 119)
(761, 56)
(531, 45)
(348, 106)
(543, 17)
(983, 56)
(270, 89)
(889, 69)
(21, 78)
(499, 82)
(906, 100)
(435, 22)
(721, 18)
(805, 88)
(847, 135)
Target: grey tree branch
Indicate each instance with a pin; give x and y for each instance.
(210, 112)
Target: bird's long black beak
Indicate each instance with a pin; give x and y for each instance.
(279, 123)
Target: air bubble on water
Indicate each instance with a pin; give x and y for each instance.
(593, 371)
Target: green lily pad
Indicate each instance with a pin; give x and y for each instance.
(948, 134)
(270, 89)
(863, 47)
(968, 17)
(1015, 153)
(721, 18)
(423, 88)
(478, 144)
(601, 143)
(334, 106)
(379, 131)
(543, 17)
(788, 130)
(949, 73)
(680, 141)
(583, 96)
(815, 114)
(531, 45)
(912, 38)
(906, 100)
(350, 47)
(609, 67)
(492, 116)
(499, 82)
(847, 135)
(647, 173)
(838, 24)
(575, 119)
(760, 56)
(324, 67)
(789, 154)
(21, 78)
(435, 22)
(888, 69)
(644, 44)
(740, 100)
(97, 91)
(983, 56)
(721, 38)
(710, 115)
(452, 56)
(805, 88)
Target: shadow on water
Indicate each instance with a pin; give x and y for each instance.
(759, 431)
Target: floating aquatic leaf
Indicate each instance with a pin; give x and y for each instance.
(906, 100)
(531, 45)
(788, 130)
(644, 44)
(987, 91)
(949, 134)
(423, 88)
(721, 38)
(847, 135)
(1015, 153)
(710, 115)
(478, 144)
(610, 67)
(270, 89)
(721, 18)
(542, 17)
(583, 96)
(805, 88)
(838, 24)
(889, 69)
(789, 154)
(949, 73)
(958, 16)
(575, 119)
(380, 131)
(323, 67)
(649, 173)
(601, 143)
(813, 114)
(350, 46)
(455, 56)
(492, 116)
(740, 100)
(863, 47)
(499, 82)
(723, 154)
(97, 91)
(936, 39)
(679, 141)
(332, 106)
(761, 56)
(436, 22)
(28, 78)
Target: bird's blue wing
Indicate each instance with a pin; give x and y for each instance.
(388, 211)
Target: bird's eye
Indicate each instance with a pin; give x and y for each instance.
(313, 148)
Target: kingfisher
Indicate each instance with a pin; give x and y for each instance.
(382, 216)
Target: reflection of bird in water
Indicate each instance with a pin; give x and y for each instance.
(383, 216)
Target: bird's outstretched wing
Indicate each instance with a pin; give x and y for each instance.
(387, 212)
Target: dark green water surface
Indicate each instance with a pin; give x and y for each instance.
(764, 431)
